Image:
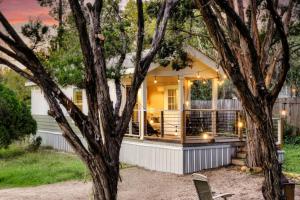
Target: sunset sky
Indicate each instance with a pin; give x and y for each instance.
(18, 12)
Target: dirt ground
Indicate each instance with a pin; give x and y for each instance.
(140, 184)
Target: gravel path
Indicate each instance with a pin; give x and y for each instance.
(140, 184)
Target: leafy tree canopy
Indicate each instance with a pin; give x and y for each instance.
(16, 121)
(15, 82)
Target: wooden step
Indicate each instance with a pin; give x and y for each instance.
(238, 161)
(243, 148)
(241, 155)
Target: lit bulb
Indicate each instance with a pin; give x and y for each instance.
(187, 103)
(283, 112)
(155, 81)
(240, 124)
(205, 136)
(151, 121)
(204, 82)
(225, 77)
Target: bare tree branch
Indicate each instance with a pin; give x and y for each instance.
(285, 47)
(243, 30)
(18, 70)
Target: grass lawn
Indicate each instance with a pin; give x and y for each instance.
(19, 168)
(292, 158)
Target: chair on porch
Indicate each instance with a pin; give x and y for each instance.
(203, 189)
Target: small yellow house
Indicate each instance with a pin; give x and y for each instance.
(163, 111)
(166, 132)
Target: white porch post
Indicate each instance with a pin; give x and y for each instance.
(143, 122)
(214, 105)
(181, 106)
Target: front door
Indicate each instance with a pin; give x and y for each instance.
(171, 112)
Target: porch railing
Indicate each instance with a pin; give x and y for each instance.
(206, 124)
(194, 125)
(134, 124)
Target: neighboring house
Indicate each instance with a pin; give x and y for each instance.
(165, 133)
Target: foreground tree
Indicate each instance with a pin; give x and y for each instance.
(256, 59)
(104, 126)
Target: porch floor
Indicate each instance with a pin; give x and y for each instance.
(193, 139)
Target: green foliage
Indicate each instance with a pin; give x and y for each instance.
(66, 63)
(291, 158)
(294, 140)
(16, 121)
(201, 90)
(35, 144)
(15, 82)
(36, 32)
(20, 168)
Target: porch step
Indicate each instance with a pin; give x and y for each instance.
(238, 162)
(241, 155)
(243, 148)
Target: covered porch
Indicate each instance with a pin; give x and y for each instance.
(164, 112)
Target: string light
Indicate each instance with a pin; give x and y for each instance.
(178, 79)
(155, 81)
(198, 75)
(220, 82)
(204, 82)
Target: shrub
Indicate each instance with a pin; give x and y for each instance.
(16, 121)
(294, 140)
(35, 144)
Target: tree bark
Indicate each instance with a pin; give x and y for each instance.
(262, 152)
(254, 158)
(105, 178)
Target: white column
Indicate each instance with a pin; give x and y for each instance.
(143, 119)
(181, 106)
(214, 105)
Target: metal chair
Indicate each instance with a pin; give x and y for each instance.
(203, 189)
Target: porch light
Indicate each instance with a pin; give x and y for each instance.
(204, 82)
(178, 79)
(155, 81)
(240, 124)
(187, 103)
(205, 136)
(294, 91)
(198, 75)
(283, 111)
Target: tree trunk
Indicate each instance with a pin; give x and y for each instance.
(105, 178)
(254, 157)
(262, 152)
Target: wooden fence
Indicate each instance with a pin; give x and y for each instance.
(292, 107)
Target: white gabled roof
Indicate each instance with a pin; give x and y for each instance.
(128, 64)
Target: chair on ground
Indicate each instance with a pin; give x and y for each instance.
(203, 189)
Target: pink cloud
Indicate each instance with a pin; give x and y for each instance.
(20, 11)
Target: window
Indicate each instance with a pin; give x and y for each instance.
(172, 99)
(77, 96)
